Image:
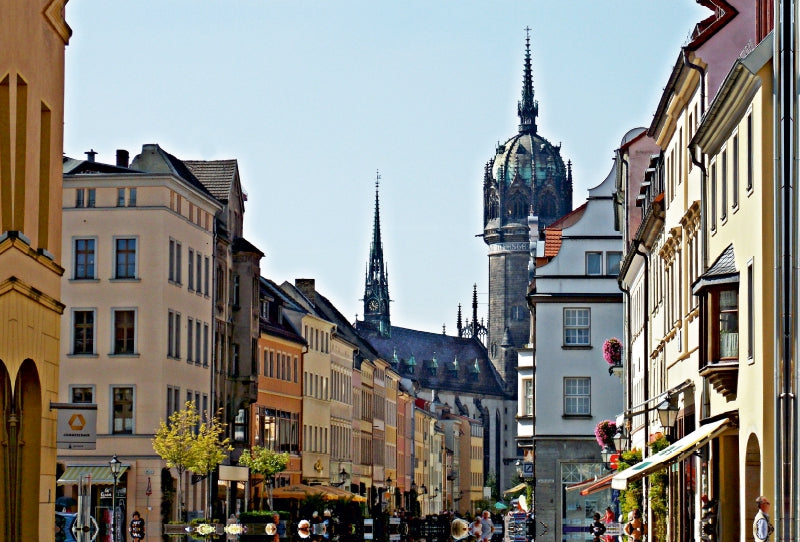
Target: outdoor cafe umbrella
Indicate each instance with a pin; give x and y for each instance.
(500, 506)
(301, 491)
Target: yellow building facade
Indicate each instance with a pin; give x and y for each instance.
(33, 34)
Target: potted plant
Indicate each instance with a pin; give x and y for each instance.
(612, 351)
(604, 433)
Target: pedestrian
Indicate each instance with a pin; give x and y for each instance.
(476, 527)
(608, 519)
(136, 528)
(762, 528)
(636, 528)
(598, 528)
(487, 527)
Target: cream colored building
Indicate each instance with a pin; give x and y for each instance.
(736, 294)
(137, 328)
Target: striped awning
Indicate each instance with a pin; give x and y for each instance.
(101, 474)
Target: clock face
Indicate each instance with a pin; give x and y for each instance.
(373, 305)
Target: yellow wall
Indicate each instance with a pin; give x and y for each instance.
(33, 35)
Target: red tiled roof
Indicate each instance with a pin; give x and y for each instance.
(552, 233)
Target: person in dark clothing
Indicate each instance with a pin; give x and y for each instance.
(136, 528)
(598, 529)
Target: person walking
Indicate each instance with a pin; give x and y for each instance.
(762, 528)
(636, 528)
(136, 528)
(598, 528)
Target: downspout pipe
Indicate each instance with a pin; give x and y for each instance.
(646, 331)
(785, 69)
(689, 64)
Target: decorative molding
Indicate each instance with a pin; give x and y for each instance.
(54, 13)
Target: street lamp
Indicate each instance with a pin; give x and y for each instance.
(620, 439)
(343, 476)
(667, 413)
(115, 465)
(389, 484)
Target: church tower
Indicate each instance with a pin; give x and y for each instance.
(525, 176)
(376, 287)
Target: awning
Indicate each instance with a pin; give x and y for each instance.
(670, 454)
(516, 489)
(580, 486)
(101, 474)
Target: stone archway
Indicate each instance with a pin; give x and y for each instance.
(20, 458)
(752, 483)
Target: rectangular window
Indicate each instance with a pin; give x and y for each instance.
(205, 345)
(83, 332)
(122, 423)
(120, 197)
(131, 197)
(577, 396)
(124, 331)
(81, 394)
(80, 197)
(235, 291)
(191, 270)
(125, 258)
(735, 171)
(613, 260)
(199, 274)
(528, 391)
(751, 335)
(178, 257)
(577, 327)
(594, 263)
(713, 196)
(197, 355)
(723, 180)
(205, 283)
(749, 152)
(84, 259)
(729, 324)
(91, 199)
(295, 369)
(171, 275)
(189, 340)
(170, 334)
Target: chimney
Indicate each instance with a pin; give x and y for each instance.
(307, 287)
(90, 154)
(122, 158)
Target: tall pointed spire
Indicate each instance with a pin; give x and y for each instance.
(376, 287)
(527, 108)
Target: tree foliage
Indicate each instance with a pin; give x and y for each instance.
(265, 462)
(630, 498)
(186, 443)
(658, 493)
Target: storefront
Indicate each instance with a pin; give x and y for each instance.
(101, 495)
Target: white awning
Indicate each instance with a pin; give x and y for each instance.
(670, 454)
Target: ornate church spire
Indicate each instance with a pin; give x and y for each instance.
(527, 108)
(376, 287)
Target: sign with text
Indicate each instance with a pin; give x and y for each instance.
(77, 426)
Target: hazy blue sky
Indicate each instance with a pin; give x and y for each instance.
(313, 97)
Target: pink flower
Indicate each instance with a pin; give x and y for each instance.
(612, 351)
(604, 433)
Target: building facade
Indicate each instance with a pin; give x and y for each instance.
(31, 143)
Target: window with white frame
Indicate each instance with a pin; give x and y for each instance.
(85, 254)
(594, 263)
(125, 258)
(81, 394)
(613, 260)
(83, 331)
(577, 396)
(124, 321)
(577, 324)
(122, 410)
(527, 390)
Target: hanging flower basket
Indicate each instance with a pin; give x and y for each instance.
(604, 433)
(612, 351)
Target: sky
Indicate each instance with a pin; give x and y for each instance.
(314, 97)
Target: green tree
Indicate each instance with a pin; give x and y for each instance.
(186, 443)
(266, 463)
(630, 498)
(658, 493)
(175, 443)
(210, 450)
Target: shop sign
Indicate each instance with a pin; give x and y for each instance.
(77, 426)
(105, 493)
